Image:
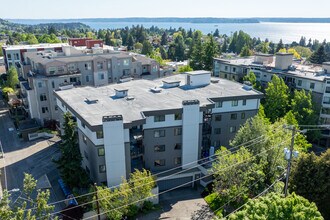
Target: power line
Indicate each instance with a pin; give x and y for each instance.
(179, 185)
(176, 173)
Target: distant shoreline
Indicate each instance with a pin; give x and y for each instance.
(179, 20)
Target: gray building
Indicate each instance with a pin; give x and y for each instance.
(156, 124)
(295, 73)
(45, 71)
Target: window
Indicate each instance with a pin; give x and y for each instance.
(52, 70)
(102, 169)
(43, 97)
(218, 118)
(56, 108)
(226, 68)
(86, 155)
(126, 62)
(159, 118)
(101, 76)
(88, 66)
(233, 116)
(159, 148)
(226, 76)
(100, 65)
(83, 124)
(177, 131)
(218, 104)
(243, 115)
(178, 146)
(312, 85)
(44, 109)
(244, 101)
(159, 133)
(234, 69)
(327, 89)
(99, 134)
(178, 116)
(216, 143)
(159, 163)
(84, 139)
(232, 129)
(217, 130)
(177, 160)
(326, 100)
(87, 78)
(9, 56)
(299, 82)
(234, 103)
(40, 84)
(100, 151)
(53, 84)
(71, 67)
(109, 64)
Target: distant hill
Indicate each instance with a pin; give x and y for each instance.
(172, 19)
(9, 25)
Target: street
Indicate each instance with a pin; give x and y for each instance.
(33, 157)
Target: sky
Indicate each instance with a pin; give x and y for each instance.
(60, 9)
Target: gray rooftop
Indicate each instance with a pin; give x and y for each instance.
(106, 103)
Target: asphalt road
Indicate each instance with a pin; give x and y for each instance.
(34, 157)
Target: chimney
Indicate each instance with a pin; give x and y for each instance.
(283, 61)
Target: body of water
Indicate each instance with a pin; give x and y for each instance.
(288, 32)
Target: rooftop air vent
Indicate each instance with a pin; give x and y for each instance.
(170, 84)
(121, 93)
(91, 101)
(155, 90)
(130, 98)
(215, 80)
(247, 85)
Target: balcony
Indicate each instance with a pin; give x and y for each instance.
(136, 150)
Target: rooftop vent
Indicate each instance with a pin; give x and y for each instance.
(130, 98)
(126, 79)
(215, 80)
(155, 90)
(171, 84)
(91, 101)
(121, 93)
(247, 85)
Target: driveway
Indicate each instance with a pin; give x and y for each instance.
(181, 204)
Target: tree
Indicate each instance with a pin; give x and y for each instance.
(279, 46)
(310, 179)
(211, 51)
(137, 188)
(196, 61)
(238, 41)
(179, 47)
(184, 69)
(319, 56)
(216, 33)
(12, 80)
(251, 77)
(303, 51)
(164, 39)
(291, 50)
(245, 52)
(32, 207)
(138, 46)
(147, 48)
(302, 41)
(130, 42)
(69, 162)
(277, 99)
(274, 206)
(162, 52)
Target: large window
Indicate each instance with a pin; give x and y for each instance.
(177, 160)
(233, 116)
(99, 134)
(99, 65)
(159, 163)
(217, 130)
(102, 169)
(244, 101)
(44, 109)
(159, 133)
(101, 151)
(177, 131)
(299, 82)
(234, 103)
(218, 118)
(101, 76)
(327, 89)
(232, 129)
(159, 118)
(312, 86)
(178, 146)
(178, 116)
(43, 97)
(218, 104)
(159, 148)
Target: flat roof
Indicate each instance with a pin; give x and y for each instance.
(33, 46)
(140, 99)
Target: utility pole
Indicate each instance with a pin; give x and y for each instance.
(97, 202)
(293, 128)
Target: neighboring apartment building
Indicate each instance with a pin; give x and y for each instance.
(45, 71)
(156, 124)
(315, 78)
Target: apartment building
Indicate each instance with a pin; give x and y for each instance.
(296, 75)
(156, 124)
(45, 71)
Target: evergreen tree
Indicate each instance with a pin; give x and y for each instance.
(179, 48)
(196, 61)
(69, 163)
(279, 46)
(302, 41)
(309, 43)
(147, 48)
(245, 52)
(130, 42)
(216, 33)
(319, 56)
(164, 39)
(224, 46)
(211, 51)
(162, 52)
